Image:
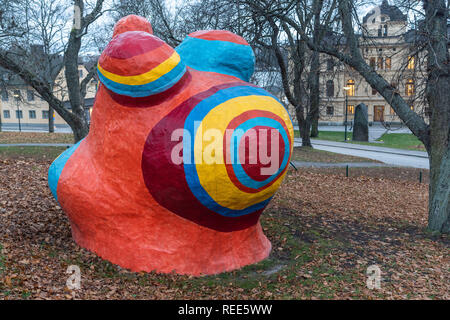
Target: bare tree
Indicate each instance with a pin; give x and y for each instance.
(433, 42)
(41, 16)
(301, 71)
(166, 22)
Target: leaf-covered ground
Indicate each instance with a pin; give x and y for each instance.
(325, 230)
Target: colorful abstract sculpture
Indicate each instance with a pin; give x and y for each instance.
(176, 169)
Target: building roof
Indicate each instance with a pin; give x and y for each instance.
(393, 12)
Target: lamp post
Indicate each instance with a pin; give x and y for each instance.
(346, 111)
(17, 97)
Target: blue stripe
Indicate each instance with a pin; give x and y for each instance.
(218, 56)
(161, 84)
(56, 168)
(237, 166)
(197, 115)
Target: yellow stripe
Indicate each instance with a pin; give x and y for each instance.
(147, 77)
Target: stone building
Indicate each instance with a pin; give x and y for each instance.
(386, 44)
(20, 103)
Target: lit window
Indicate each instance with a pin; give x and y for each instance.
(372, 63)
(411, 107)
(351, 86)
(392, 111)
(351, 109)
(387, 63)
(409, 88)
(411, 62)
(380, 63)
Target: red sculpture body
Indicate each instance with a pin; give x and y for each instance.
(128, 196)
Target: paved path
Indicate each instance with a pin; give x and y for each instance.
(300, 164)
(391, 156)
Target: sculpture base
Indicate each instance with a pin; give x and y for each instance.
(204, 253)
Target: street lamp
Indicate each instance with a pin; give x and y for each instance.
(346, 111)
(17, 97)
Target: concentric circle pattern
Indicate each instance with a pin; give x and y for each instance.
(138, 64)
(218, 158)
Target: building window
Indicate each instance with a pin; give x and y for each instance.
(80, 72)
(385, 31)
(32, 114)
(6, 114)
(380, 31)
(387, 63)
(19, 114)
(330, 88)
(330, 110)
(409, 88)
(17, 95)
(411, 107)
(30, 95)
(392, 111)
(374, 91)
(351, 86)
(411, 63)
(330, 65)
(5, 95)
(351, 109)
(44, 114)
(380, 63)
(372, 63)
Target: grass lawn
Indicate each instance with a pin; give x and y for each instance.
(307, 154)
(325, 231)
(390, 140)
(35, 137)
(36, 153)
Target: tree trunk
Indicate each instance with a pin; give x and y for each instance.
(304, 125)
(438, 96)
(315, 126)
(439, 208)
(80, 127)
(314, 72)
(439, 100)
(51, 120)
